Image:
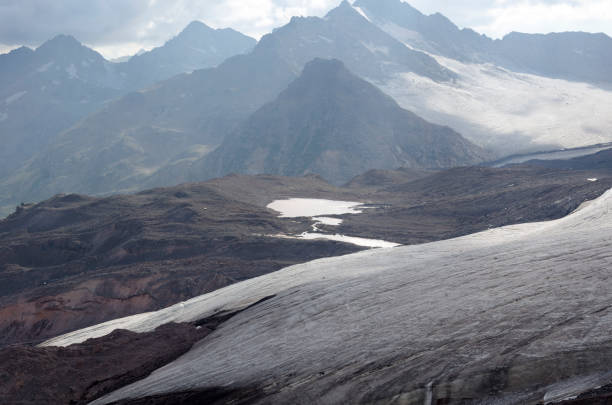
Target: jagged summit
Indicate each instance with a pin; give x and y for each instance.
(344, 10)
(194, 30)
(61, 42)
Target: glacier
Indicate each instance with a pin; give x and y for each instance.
(524, 308)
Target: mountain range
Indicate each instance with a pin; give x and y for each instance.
(48, 90)
(491, 91)
(576, 56)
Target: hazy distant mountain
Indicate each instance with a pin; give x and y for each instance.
(347, 35)
(127, 141)
(434, 33)
(145, 138)
(334, 124)
(197, 46)
(571, 55)
(45, 91)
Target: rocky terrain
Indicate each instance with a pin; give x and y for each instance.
(73, 261)
(84, 372)
(514, 315)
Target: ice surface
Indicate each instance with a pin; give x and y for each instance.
(508, 111)
(371, 243)
(328, 221)
(3, 116)
(310, 207)
(413, 314)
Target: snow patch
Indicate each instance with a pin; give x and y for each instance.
(402, 34)
(592, 180)
(14, 97)
(312, 207)
(72, 71)
(309, 207)
(363, 242)
(328, 221)
(373, 48)
(363, 14)
(45, 67)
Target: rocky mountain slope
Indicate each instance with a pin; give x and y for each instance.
(332, 123)
(74, 261)
(516, 315)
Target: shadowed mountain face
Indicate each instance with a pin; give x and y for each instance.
(334, 124)
(570, 55)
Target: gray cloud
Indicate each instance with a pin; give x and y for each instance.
(118, 27)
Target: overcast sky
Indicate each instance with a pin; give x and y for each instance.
(120, 27)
